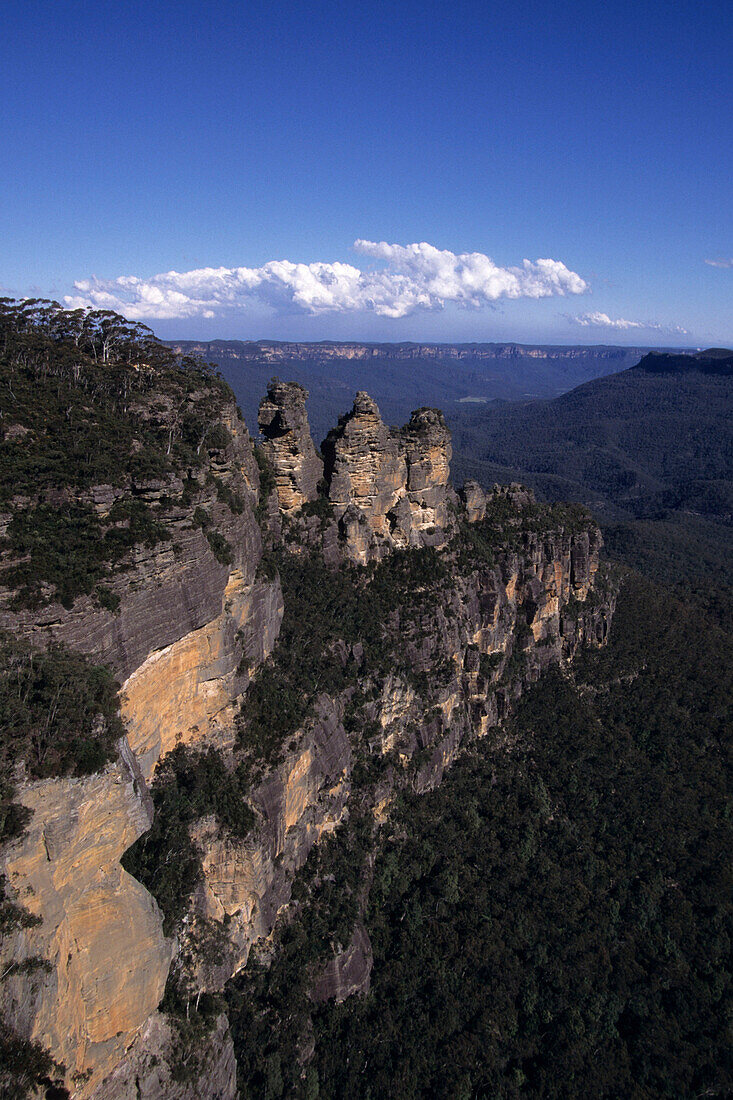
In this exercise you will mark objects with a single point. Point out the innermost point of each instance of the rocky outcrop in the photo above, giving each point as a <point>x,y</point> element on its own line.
<point>426,444</point>
<point>474,501</point>
<point>365,469</point>
<point>155,1064</point>
<point>174,587</point>
<point>189,633</point>
<point>246,882</point>
<point>190,629</point>
<point>348,972</point>
<point>182,693</point>
<point>283,422</point>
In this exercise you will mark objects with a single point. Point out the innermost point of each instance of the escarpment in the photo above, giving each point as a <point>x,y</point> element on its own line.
<point>98,931</point>
<point>296,689</point>
<point>190,629</point>
<point>144,557</point>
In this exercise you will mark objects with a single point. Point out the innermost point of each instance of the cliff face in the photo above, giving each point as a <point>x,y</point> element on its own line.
<point>100,932</point>
<point>177,585</point>
<point>513,590</point>
<point>427,447</point>
<point>145,1073</point>
<point>365,470</point>
<point>182,693</point>
<point>187,634</point>
<point>246,883</point>
<point>289,351</point>
<point>388,488</point>
<point>451,672</point>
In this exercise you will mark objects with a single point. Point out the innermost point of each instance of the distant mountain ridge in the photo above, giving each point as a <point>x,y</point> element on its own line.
<point>710,361</point>
<point>445,375</point>
<point>287,350</point>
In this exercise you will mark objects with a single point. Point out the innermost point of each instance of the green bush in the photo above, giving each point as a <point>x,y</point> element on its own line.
<point>87,398</point>
<point>25,1066</point>
<point>59,712</point>
<point>221,547</point>
<point>267,482</point>
<point>188,785</point>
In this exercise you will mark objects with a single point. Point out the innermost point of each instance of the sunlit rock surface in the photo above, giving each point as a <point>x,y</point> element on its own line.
<point>101,931</point>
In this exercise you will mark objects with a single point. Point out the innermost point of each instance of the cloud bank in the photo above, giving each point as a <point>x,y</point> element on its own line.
<point>413,277</point>
<point>721,261</point>
<point>602,320</point>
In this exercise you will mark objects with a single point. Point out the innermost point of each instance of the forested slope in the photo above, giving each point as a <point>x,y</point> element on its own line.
<point>556,919</point>
<point>649,449</point>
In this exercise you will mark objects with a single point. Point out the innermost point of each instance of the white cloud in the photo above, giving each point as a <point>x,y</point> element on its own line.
<point>721,261</point>
<point>602,320</point>
<point>415,276</point>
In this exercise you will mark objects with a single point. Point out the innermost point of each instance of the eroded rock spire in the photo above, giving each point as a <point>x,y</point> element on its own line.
<point>283,422</point>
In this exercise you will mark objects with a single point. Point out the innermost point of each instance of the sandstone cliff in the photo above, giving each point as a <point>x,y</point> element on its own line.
<point>292,351</point>
<point>509,588</point>
<point>100,930</point>
<point>448,669</point>
<point>188,623</point>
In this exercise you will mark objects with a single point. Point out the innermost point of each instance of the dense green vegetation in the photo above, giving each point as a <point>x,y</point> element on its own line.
<point>269,1006</point>
<point>343,628</point>
<point>649,449</point>
<point>555,920</point>
<point>327,612</point>
<point>378,608</point>
<point>67,548</point>
<point>87,398</point>
<point>188,784</point>
<point>59,715</point>
<point>24,1065</point>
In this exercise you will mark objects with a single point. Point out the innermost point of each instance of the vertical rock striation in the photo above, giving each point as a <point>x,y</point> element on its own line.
<point>283,423</point>
<point>192,627</point>
<point>427,448</point>
<point>388,488</point>
<point>193,622</point>
<point>146,1071</point>
<point>100,932</point>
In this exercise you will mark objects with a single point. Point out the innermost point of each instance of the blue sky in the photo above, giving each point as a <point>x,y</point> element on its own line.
<point>225,138</point>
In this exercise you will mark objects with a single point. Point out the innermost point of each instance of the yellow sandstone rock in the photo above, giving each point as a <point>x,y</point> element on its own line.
<point>101,931</point>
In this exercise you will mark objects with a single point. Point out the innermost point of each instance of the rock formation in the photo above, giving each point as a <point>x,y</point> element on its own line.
<point>191,629</point>
<point>100,932</point>
<point>348,972</point>
<point>283,422</point>
<point>474,501</point>
<point>184,640</point>
<point>145,1073</point>
<point>388,488</point>
<point>365,469</point>
<point>427,447</point>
